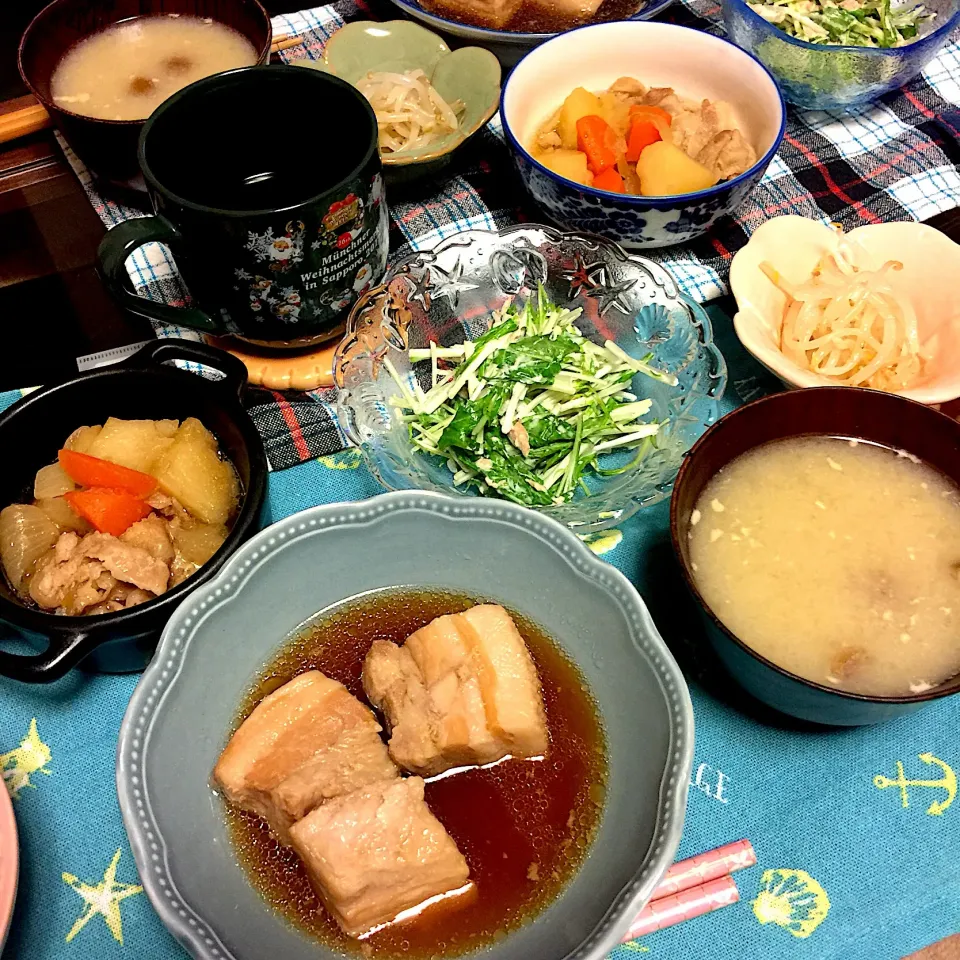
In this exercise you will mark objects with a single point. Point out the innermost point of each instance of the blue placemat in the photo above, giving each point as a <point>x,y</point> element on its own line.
<point>846,870</point>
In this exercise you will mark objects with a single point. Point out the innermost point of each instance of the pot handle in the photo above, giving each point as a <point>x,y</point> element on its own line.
<point>159,351</point>
<point>55,662</point>
<point>112,254</point>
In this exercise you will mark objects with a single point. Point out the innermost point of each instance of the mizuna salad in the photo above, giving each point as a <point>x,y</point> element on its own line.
<point>529,408</point>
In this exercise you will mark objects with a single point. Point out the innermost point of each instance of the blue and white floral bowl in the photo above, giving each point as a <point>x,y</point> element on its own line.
<point>697,65</point>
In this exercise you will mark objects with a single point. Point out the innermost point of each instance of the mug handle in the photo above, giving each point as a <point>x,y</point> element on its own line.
<point>55,662</point>
<point>112,254</point>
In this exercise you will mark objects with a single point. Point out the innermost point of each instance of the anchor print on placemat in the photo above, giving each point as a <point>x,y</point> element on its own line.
<point>791,899</point>
<point>946,783</point>
<point>32,756</point>
<point>102,899</point>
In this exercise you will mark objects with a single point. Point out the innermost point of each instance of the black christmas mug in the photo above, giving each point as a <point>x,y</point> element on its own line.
<point>267,186</point>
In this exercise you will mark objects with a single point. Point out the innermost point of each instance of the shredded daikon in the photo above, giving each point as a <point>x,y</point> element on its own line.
<point>847,324</point>
<point>410,112</point>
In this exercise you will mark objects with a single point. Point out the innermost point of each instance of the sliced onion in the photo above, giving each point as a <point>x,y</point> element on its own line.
<point>60,512</point>
<point>26,534</point>
<point>51,481</point>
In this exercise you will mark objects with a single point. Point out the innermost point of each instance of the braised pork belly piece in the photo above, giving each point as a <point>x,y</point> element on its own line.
<point>307,742</point>
<point>377,852</point>
<point>463,690</point>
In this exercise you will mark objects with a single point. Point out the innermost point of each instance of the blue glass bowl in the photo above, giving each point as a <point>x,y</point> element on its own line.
<point>449,293</point>
<point>821,77</point>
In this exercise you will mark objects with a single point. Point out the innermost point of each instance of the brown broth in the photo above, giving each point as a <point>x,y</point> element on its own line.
<point>524,826</point>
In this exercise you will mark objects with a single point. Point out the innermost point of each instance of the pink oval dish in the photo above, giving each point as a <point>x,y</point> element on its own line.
<point>9,862</point>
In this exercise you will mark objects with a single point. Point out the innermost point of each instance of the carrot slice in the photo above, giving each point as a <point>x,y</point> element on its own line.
<point>642,134</point>
<point>110,511</point>
<point>655,115</point>
<point>595,138</point>
<point>609,180</point>
<point>93,472</point>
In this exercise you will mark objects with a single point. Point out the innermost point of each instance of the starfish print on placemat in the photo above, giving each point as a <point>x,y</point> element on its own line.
<point>102,899</point>
<point>450,285</point>
<point>32,756</point>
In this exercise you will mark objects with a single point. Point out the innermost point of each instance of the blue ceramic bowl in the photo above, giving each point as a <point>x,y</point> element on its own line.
<point>697,65</point>
<point>822,77</point>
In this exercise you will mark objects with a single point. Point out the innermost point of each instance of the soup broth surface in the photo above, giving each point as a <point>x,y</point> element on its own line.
<point>524,826</point>
<point>836,559</point>
<point>127,70</point>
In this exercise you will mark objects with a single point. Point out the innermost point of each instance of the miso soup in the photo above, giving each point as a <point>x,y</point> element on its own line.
<point>127,70</point>
<point>836,559</point>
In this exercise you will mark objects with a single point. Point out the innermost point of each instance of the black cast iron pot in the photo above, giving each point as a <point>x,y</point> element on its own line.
<point>35,428</point>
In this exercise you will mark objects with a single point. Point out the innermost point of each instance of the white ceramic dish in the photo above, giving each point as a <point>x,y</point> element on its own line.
<point>793,245</point>
<point>697,65</point>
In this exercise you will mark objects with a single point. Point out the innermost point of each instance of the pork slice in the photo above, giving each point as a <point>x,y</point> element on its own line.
<point>492,13</point>
<point>377,852</point>
<point>727,155</point>
<point>67,581</point>
<point>445,660</point>
<point>573,10</point>
<point>153,535</point>
<point>508,680</point>
<point>126,562</point>
<point>306,742</point>
<point>394,684</point>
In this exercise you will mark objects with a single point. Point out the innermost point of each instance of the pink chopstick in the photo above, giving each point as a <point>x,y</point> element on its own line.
<point>705,867</point>
<point>675,908</point>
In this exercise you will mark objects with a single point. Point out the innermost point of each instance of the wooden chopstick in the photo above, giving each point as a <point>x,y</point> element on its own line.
<point>21,122</point>
<point>285,43</point>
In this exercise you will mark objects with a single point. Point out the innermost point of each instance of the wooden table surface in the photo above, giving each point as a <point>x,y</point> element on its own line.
<point>52,304</point>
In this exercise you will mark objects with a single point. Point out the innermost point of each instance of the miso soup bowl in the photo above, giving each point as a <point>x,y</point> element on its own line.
<point>108,148</point>
<point>882,418</point>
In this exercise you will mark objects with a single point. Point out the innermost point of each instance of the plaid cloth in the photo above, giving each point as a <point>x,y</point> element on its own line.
<point>896,159</point>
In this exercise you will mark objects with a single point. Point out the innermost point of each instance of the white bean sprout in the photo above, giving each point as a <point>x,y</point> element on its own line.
<point>410,112</point>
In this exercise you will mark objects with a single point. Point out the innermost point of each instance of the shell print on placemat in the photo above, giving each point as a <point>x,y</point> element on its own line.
<point>791,899</point>
<point>32,756</point>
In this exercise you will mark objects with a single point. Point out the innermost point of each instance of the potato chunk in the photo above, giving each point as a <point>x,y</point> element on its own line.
<point>191,471</point>
<point>136,444</point>
<point>580,103</point>
<point>571,164</point>
<point>665,170</point>
<point>82,439</point>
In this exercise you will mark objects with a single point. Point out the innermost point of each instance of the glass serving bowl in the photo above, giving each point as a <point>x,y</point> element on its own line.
<point>822,77</point>
<point>449,294</point>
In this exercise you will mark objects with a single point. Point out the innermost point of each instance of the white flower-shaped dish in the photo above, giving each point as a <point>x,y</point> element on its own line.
<point>794,245</point>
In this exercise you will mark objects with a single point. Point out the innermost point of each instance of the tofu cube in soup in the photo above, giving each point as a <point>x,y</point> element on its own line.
<point>305,743</point>
<point>461,690</point>
<point>377,852</point>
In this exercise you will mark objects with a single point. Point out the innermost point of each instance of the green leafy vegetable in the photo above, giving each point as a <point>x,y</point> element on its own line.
<point>525,410</point>
<point>849,23</point>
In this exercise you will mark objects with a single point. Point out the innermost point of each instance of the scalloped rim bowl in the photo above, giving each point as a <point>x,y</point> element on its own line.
<point>793,245</point>
<point>470,74</point>
<point>365,386</point>
<point>221,636</point>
